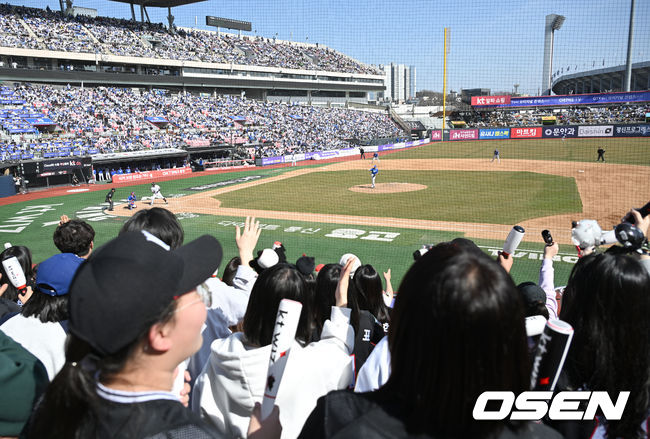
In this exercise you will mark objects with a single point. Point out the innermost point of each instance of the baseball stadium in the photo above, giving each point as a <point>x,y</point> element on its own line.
<point>272,115</point>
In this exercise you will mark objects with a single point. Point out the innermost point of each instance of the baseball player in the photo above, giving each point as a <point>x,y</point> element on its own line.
<point>375,156</point>
<point>373,173</point>
<point>109,198</point>
<point>155,193</point>
<point>132,199</point>
<point>601,154</point>
<point>496,156</point>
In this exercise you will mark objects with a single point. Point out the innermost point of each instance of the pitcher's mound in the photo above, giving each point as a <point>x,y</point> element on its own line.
<point>387,188</point>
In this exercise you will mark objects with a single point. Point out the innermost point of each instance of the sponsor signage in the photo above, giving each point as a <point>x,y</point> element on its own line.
<point>525,133</point>
<point>560,131</point>
<point>584,99</point>
<point>272,160</point>
<point>632,130</point>
<point>390,146</point>
<point>490,100</point>
<point>494,133</point>
<point>436,135</point>
<point>59,167</point>
<point>596,131</point>
<point>120,178</point>
<point>463,134</point>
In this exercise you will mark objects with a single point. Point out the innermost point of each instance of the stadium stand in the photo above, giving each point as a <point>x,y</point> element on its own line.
<point>583,115</point>
<point>32,28</point>
<point>47,121</point>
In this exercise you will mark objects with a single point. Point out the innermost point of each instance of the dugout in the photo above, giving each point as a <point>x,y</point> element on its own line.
<point>38,173</point>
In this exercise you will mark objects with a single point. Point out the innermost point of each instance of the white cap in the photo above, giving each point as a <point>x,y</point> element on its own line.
<point>268,258</point>
<point>356,264</point>
<point>8,244</point>
<point>586,233</point>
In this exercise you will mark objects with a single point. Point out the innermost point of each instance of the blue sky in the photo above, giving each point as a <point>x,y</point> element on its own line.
<point>494,44</point>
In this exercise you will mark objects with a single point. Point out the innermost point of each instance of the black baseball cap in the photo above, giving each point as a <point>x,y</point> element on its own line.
<point>127,283</point>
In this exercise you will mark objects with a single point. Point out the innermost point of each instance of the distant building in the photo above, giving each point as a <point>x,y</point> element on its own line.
<point>400,83</point>
<point>412,88</point>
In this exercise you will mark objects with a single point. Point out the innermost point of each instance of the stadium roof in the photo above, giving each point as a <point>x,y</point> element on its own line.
<point>159,3</point>
<point>603,80</point>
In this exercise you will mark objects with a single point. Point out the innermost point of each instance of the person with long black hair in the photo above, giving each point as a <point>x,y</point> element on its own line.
<point>369,316</point>
<point>135,314</point>
<point>607,301</point>
<point>325,295</point>
<point>457,330</point>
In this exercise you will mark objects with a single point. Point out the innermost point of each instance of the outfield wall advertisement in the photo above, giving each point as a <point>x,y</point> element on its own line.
<point>463,134</point>
<point>525,133</point>
<point>559,131</point>
<point>640,130</point>
<point>494,133</point>
<point>596,131</point>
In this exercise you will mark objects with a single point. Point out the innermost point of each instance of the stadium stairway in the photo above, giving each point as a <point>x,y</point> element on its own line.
<point>29,30</point>
<point>403,125</point>
<point>90,34</point>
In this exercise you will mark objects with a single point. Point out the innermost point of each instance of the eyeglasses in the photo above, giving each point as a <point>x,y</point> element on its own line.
<point>204,296</point>
<point>204,291</point>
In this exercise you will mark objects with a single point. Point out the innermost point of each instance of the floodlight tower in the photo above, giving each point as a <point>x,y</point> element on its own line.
<point>628,63</point>
<point>553,23</point>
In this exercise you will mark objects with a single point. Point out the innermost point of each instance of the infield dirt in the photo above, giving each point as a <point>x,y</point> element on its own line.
<point>607,191</point>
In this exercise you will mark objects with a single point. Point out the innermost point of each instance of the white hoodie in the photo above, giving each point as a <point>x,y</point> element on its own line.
<point>234,378</point>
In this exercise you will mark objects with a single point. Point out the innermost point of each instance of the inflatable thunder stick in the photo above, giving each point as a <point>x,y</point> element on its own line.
<point>284,332</point>
<point>551,352</point>
<point>15,272</point>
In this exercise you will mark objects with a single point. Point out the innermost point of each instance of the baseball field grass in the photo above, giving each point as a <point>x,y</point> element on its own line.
<point>504,198</point>
<point>631,151</point>
<point>491,197</point>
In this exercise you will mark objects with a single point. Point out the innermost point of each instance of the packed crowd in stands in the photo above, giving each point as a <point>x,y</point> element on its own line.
<point>115,341</point>
<point>107,119</point>
<point>566,116</point>
<point>84,34</point>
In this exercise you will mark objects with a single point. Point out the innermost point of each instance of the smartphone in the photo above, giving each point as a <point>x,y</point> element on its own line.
<point>644,211</point>
<point>548,239</point>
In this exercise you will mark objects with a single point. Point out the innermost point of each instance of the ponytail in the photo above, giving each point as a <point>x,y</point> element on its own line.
<point>70,397</point>
<point>70,402</point>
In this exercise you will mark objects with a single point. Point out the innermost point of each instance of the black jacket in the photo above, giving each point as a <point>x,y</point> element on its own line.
<point>343,414</point>
<point>158,419</point>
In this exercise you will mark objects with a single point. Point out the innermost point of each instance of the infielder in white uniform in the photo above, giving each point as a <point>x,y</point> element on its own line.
<point>155,193</point>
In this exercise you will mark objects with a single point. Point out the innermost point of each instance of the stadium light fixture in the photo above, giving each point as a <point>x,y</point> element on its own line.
<point>558,21</point>
<point>553,23</point>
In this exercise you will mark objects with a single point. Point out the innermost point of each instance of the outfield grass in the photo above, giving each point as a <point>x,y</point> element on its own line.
<point>477,196</point>
<point>634,151</point>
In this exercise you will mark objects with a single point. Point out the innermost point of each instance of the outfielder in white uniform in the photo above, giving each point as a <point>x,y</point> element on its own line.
<point>155,193</point>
